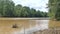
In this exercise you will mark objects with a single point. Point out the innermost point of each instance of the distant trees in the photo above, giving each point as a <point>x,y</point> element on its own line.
<point>54,9</point>
<point>9,9</point>
<point>6,8</point>
<point>18,9</point>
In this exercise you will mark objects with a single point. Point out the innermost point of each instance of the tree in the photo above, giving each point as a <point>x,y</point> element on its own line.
<point>54,9</point>
<point>57,14</point>
<point>6,8</point>
<point>9,9</point>
<point>33,12</point>
<point>25,11</point>
<point>51,8</point>
<point>38,14</point>
<point>18,10</point>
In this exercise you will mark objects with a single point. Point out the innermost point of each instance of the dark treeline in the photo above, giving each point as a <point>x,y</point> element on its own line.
<point>9,9</point>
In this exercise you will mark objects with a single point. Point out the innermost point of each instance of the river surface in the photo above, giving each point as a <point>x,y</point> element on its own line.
<point>25,26</point>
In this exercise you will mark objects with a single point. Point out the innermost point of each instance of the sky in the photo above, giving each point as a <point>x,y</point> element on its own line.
<point>36,4</point>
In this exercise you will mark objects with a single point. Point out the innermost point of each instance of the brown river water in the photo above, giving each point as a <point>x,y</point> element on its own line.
<point>23,25</point>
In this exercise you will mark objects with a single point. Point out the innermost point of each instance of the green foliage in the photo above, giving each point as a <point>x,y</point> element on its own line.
<point>18,9</point>
<point>6,8</point>
<point>9,9</point>
<point>54,9</point>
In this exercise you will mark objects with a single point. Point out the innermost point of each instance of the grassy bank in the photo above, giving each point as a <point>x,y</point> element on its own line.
<point>54,23</point>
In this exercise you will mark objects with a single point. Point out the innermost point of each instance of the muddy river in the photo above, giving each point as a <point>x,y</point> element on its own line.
<point>22,26</point>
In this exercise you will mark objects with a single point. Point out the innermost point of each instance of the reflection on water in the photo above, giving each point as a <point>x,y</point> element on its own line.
<point>27,26</point>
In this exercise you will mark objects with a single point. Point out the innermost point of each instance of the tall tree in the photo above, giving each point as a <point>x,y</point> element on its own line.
<point>52,8</point>
<point>7,8</point>
<point>57,14</point>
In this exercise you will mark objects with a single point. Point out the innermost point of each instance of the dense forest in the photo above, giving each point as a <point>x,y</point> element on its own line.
<point>54,9</point>
<point>9,9</point>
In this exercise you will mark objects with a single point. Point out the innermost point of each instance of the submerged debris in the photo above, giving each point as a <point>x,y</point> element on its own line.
<point>15,26</point>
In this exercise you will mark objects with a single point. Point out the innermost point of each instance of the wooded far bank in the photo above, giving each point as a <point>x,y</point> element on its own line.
<point>9,9</point>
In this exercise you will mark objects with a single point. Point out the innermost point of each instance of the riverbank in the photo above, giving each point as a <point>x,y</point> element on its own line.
<point>25,18</point>
<point>54,24</point>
